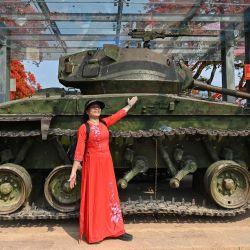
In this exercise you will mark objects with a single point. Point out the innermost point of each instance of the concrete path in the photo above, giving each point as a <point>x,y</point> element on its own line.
<point>165,232</point>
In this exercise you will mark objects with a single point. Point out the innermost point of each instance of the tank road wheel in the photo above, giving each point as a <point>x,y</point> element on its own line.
<point>57,190</point>
<point>15,187</point>
<point>228,184</point>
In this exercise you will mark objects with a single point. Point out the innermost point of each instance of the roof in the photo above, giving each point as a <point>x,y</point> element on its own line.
<point>47,29</point>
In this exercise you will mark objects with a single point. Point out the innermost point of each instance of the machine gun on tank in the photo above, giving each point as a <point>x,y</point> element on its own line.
<point>148,36</point>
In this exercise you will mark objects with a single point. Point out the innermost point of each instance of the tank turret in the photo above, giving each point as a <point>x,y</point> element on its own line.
<point>119,70</point>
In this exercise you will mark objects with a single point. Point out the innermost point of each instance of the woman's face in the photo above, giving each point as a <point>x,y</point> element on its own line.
<point>94,111</point>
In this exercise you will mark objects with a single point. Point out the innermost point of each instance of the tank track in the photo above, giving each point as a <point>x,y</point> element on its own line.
<point>132,207</point>
<point>193,207</point>
<point>136,134</point>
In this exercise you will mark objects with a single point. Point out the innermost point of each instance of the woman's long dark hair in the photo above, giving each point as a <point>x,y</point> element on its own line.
<point>85,118</point>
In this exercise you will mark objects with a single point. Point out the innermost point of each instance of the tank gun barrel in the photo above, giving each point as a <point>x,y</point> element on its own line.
<point>202,86</point>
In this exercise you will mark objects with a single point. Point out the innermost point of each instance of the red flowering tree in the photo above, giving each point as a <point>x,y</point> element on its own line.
<point>26,83</point>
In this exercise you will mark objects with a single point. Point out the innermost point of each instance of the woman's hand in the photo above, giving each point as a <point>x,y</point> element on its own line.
<point>132,101</point>
<point>72,180</point>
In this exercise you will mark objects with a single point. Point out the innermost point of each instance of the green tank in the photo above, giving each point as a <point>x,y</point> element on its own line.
<point>173,153</point>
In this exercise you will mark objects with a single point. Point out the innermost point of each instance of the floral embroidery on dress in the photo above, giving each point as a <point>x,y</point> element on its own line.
<point>115,211</point>
<point>97,133</point>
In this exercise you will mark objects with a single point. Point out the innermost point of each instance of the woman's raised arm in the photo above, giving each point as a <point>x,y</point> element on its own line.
<point>121,113</point>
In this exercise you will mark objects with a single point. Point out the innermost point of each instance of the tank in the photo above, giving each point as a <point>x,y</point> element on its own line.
<point>173,153</point>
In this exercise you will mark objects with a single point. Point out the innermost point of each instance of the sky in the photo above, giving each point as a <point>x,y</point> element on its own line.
<point>45,73</point>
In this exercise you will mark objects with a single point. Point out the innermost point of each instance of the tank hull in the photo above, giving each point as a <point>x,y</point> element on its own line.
<point>164,140</point>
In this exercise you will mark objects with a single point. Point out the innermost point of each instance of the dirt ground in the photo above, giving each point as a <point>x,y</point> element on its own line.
<point>150,233</point>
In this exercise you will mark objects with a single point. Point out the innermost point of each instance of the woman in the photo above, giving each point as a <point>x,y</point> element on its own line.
<point>100,214</point>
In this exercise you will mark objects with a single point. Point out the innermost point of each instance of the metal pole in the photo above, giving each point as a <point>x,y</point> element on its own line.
<point>227,58</point>
<point>4,73</point>
<point>247,45</point>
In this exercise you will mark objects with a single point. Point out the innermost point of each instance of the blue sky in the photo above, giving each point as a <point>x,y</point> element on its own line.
<point>45,73</point>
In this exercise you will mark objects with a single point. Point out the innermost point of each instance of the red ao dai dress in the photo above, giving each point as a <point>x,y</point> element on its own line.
<point>100,213</point>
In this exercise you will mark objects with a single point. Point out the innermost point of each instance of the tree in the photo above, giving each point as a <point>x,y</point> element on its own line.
<point>26,84</point>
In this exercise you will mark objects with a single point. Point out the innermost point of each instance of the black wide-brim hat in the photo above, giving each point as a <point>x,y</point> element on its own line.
<point>90,102</point>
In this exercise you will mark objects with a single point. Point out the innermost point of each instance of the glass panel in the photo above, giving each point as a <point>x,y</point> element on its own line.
<point>160,7</point>
<point>25,25</point>
<point>86,27</point>
<point>18,7</point>
<point>15,30</point>
<point>88,44</point>
<point>82,7</point>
